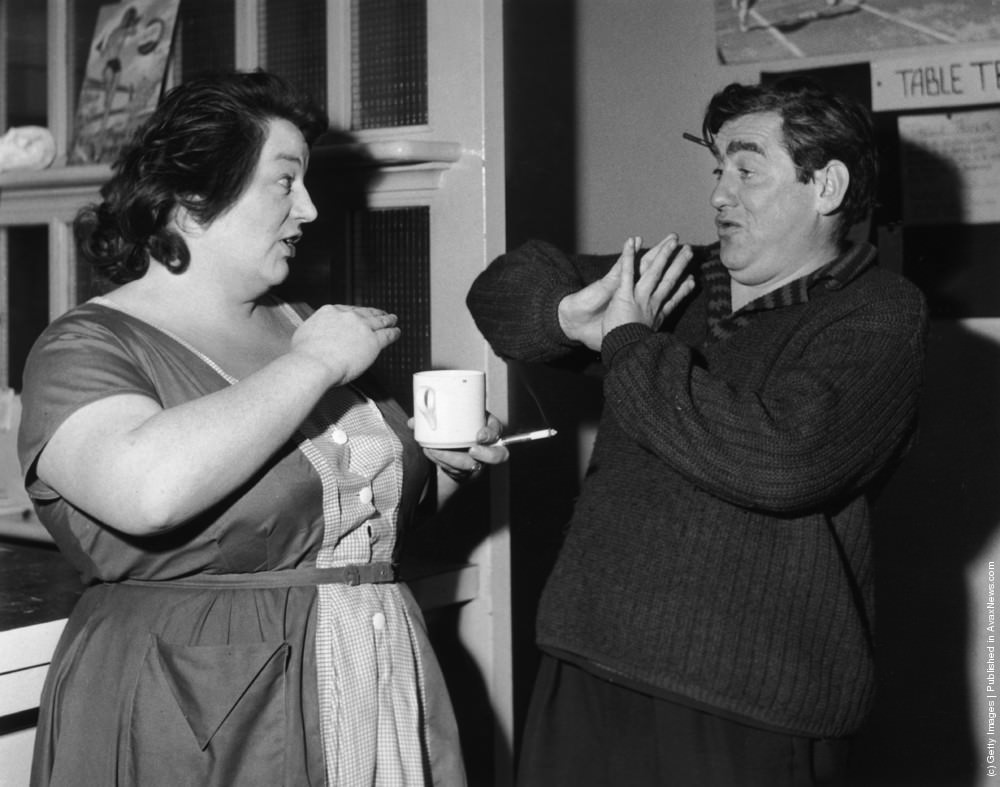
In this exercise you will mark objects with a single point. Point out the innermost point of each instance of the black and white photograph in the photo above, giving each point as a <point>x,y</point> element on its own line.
<point>750,31</point>
<point>499,393</point>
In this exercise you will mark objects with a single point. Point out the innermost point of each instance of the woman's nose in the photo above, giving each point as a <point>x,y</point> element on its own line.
<point>305,208</point>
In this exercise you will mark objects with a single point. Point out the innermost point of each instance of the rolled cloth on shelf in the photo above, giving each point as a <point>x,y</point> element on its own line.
<point>26,147</point>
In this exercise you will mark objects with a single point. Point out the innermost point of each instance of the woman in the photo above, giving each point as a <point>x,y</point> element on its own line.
<point>228,482</point>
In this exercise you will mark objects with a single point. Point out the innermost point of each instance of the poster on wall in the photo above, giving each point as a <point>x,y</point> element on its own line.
<point>125,69</point>
<point>761,30</point>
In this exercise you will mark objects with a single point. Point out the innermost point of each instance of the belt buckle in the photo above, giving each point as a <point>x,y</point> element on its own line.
<point>352,575</point>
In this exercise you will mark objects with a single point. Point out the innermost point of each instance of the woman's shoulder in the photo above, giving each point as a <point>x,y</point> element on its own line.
<point>99,336</point>
<point>95,329</point>
<point>89,319</point>
<point>90,334</point>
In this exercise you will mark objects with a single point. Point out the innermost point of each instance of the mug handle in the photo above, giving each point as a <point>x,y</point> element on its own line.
<point>425,403</point>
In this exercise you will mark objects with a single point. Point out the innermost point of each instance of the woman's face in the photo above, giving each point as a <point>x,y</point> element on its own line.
<point>250,244</point>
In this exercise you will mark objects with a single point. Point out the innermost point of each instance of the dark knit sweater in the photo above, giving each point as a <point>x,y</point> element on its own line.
<point>720,551</point>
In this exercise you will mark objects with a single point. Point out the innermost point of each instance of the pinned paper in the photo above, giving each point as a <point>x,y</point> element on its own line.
<point>950,167</point>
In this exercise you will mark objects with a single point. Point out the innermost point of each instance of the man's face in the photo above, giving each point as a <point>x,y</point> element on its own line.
<point>767,221</point>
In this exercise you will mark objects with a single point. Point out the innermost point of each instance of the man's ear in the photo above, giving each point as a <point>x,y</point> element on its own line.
<point>831,186</point>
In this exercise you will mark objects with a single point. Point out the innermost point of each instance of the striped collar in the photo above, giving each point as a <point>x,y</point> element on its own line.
<point>832,276</point>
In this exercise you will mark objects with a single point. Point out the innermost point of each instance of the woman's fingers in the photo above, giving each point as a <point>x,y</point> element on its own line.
<point>462,465</point>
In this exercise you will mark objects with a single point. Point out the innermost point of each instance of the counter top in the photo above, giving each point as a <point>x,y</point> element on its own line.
<point>37,585</point>
<point>38,589</point>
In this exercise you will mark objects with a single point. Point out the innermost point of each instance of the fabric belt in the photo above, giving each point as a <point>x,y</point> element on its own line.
<point>354,574</point>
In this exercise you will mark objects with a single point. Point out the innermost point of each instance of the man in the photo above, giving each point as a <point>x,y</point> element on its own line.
<point>709,618</point>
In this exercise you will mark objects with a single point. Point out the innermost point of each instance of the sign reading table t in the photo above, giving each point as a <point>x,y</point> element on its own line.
<point>959,77</point>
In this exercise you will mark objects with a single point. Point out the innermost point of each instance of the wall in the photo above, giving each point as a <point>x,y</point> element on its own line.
<point>643,72</point>
<point>646,70</point>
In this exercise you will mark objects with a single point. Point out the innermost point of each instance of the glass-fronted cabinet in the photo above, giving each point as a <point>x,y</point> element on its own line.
<point>23,26</point>
<point>367,62</point>
<point>23,298</point>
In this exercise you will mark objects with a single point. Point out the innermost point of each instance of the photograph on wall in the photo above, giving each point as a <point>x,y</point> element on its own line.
<point>761,30</point>
<point>126,65</point>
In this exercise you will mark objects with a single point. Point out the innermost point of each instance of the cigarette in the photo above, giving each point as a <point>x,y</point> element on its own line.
<point>700,141</point>
<point>540,434</point>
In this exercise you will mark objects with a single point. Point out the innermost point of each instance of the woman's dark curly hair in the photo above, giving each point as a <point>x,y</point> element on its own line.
<point>198,150</point>
<point>818,126</point>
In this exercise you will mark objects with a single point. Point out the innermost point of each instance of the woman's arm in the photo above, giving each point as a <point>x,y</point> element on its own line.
<point>143,469</point>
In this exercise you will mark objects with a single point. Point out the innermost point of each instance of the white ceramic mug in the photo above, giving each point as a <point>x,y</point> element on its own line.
<point>449,407</point>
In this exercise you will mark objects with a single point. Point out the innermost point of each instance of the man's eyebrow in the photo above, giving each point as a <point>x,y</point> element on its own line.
<point>736,145</point>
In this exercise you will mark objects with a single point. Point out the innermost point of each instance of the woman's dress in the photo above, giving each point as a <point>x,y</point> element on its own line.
<point>209,655</point>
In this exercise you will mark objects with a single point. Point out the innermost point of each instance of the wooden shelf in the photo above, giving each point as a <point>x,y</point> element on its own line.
<point>35,196</point>
<point>375,153</point>
<point>55,177</point>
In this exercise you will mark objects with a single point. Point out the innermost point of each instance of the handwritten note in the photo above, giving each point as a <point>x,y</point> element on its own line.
<point>950,167</point>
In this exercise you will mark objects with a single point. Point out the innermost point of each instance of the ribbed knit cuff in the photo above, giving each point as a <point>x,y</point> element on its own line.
<point>621,337</point>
